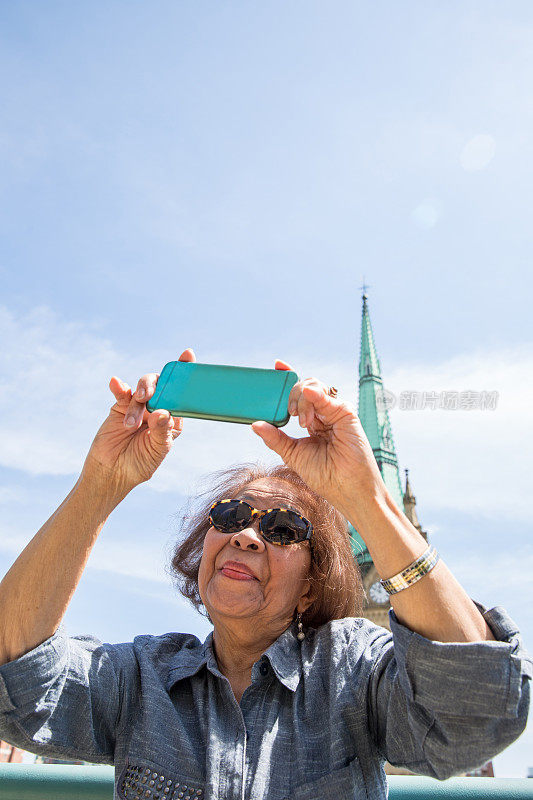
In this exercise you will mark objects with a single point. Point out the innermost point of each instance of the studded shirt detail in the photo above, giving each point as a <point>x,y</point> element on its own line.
<point>138,782</point>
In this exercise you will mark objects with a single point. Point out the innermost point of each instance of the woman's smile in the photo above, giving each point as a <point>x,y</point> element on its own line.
<point>238,576</point>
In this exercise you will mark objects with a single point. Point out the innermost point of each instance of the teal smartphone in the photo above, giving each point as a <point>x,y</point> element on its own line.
<point>224,393</point>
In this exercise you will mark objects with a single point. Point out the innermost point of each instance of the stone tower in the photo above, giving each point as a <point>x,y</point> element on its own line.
<point>374,416</point>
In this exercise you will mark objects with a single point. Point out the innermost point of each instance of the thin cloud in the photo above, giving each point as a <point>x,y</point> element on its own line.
<point>471,461</point>
<point>137,560</point>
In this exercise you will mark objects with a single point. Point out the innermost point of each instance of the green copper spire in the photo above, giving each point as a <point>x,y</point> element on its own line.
<point>374,418</point>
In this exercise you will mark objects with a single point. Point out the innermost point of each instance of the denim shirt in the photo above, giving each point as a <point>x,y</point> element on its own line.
<point>318,720</point>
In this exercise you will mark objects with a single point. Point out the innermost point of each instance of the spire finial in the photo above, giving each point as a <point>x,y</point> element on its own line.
<point>408,490</point>
<point>364,287</point>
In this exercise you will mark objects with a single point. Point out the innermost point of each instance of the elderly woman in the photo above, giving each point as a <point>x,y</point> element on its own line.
<point>293,695</point>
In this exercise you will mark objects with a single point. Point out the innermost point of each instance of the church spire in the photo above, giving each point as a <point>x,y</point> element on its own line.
<point>373,411</point>
<point>368,359</point>
<point>374,418</point>
<point>409,502</point>
<point>409,505</point>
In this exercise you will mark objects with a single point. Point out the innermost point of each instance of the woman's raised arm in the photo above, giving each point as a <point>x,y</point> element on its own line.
<point>337,461</point>
<point>36,591</point>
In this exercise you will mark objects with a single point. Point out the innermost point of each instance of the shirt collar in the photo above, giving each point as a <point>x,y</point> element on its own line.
<point>284,656</point>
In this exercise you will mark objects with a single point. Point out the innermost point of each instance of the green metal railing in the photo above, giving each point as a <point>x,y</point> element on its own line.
<point>72,782</point>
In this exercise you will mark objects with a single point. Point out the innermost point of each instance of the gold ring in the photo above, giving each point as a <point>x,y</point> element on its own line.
<point>332,391</point>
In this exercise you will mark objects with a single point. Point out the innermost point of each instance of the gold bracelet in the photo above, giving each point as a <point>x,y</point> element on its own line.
<point>412,573</point>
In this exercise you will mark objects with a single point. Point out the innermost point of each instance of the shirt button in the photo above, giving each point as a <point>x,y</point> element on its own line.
<point>263,669</point>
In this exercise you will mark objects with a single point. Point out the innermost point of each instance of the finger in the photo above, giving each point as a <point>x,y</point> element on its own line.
<point>134,414</point>
<point>279,364</point>
<point>275,439</point>
<point>160,427</point>
<point>325,407</point>
<point>177,422</point>
<point>146,387</point>
<point>303,407</point>
<point>120,390</point>
<point>306,407</point>
<point>282,365</point>
<point>145,390</point>
<point>299,404</point>
<point>136,411</point>
<point>294,396</point>
<point>177,426</point>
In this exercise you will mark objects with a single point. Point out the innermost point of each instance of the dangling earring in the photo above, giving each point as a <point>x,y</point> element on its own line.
<point>300,635</point>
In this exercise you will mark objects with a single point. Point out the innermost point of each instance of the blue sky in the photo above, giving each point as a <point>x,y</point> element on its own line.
<point>221,176</point>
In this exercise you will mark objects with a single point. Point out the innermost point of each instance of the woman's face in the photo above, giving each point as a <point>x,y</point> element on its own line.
<point>280,584</point>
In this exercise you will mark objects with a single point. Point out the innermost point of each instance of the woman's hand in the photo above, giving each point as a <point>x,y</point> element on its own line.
<point>133,442</point>
<point>336,459</point>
